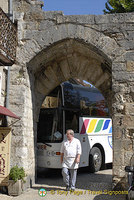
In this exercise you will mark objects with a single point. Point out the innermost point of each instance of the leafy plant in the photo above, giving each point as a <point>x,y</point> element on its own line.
<point>119,6</point>
<point>17,173</point>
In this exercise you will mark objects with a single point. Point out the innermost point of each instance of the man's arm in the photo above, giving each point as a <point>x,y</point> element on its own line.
<point>77,159</point>
<point>62,152</point>
<point>61,157</point>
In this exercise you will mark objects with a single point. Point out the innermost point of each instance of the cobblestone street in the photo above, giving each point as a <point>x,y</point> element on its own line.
<point>89,186</point>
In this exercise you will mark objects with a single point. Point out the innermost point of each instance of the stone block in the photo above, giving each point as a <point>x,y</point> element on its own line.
<point>128,121</point>
<point>86,19</point>
<point>31,25</point>
<point>121,58</point>
<point>118,67</point>
<point>34,15</point>
<point>52,14</point>
<point>126,44</point>
<point>129,109</point>
<point>21,152</point>
<point>129,17</point>
<point>45,24</point>
<point>117,134</point>
<point>128,26</point>
<point>118,170</point>
<point>124,76</point>
<point>14,188</point>
<point>78,19</point>
<point>127,145</point>
<point>118,158</point>
<point>130,66</point>
<point>117,143</point>
<point>117,18</point>
<point>130,56</point>
<point>127,158</point>
<point>130,35</point>
<point>102,19</point>
<point>110,28</point>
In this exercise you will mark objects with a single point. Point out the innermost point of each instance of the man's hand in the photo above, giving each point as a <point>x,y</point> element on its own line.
<point>61,158</point>
<point>77,159</point>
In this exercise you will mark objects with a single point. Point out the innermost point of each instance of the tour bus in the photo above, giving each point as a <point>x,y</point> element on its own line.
<point>83,109</point>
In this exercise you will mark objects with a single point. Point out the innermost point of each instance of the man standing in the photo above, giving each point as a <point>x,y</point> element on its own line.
<point>70,158</point>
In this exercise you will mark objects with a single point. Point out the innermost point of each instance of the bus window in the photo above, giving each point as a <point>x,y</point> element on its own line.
<point>50,126</point>
<point>71,121</point>
<point>89,101</point>
<point>92,102</point>
<point>71,97</point>
<point>53,100</point>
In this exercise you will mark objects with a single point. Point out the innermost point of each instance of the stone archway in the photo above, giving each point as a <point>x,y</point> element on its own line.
<point>50,43</point>
<point>67,59</point>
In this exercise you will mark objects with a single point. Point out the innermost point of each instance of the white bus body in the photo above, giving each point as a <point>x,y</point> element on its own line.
<point>94,133</point>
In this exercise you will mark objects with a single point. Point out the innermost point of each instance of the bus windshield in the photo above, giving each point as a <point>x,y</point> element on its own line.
<point>63,107</point>
<point>89,101</point>
<point>50,125</point>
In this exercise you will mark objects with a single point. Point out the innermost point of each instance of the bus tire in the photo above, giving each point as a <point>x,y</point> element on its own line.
<point>95,160</point>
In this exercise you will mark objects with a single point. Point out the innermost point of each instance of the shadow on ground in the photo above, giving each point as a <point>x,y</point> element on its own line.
<point>85,180</point>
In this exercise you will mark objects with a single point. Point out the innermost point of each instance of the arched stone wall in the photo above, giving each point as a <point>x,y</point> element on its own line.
<point>95,48</point>
<point>63,60</point>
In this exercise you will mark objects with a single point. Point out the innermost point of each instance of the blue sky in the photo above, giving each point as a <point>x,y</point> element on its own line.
<point>76,7</point>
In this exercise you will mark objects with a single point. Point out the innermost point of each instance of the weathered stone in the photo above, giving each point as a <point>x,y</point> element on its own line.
<point>130,56</point>
<point>128,45</point>
<point>118,158</point>
<point>117,18</point>
<point>127,145</point>
<point>119,67</point>
<point>128,155</point>
<point>102,20</point>
<point>129,109</point>
<point>45,24</point>
<point>127,120</point>
<point>129,18</point>
<point>21,152</point>
<point>130,66</point>
<point>53,48</point>
<point>119,170</point>
<point>124,76</point>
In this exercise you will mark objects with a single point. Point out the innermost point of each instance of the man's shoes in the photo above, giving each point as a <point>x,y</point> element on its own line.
<point>72,189</point>
<point>67,188</point>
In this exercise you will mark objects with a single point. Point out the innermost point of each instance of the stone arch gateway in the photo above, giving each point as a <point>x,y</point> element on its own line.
<point>53,48</point>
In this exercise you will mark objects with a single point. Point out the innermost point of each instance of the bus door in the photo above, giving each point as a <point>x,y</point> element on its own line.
<point>84,161</point>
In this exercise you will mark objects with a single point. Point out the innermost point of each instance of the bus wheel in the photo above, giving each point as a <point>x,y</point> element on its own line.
<point>95,159</point>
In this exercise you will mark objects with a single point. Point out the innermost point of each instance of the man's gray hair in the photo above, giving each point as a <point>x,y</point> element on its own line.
<point>71,132</point>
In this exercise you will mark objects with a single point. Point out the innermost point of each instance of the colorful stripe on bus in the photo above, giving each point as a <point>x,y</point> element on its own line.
<point>95,125</point>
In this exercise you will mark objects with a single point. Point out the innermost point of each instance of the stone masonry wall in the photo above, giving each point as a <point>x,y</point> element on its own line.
<point>108,36</point>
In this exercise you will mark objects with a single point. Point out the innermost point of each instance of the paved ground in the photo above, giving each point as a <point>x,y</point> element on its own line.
<point>89,187</point>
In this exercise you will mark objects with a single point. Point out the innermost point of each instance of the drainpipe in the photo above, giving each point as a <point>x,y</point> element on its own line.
<point>10,10</point>
<point>8,70</point>
<point>8,84</point>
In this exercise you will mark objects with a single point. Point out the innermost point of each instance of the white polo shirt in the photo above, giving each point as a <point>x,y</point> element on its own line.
<point>70,150</point>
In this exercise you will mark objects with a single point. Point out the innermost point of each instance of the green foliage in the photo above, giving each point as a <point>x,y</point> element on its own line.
<point>119,6</point>
<point>17,173</point>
